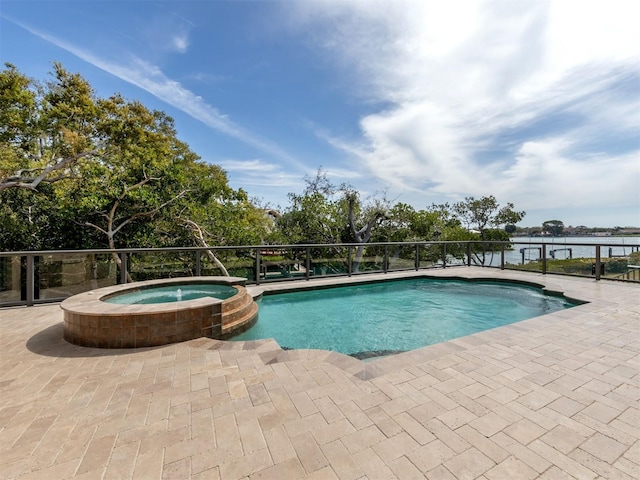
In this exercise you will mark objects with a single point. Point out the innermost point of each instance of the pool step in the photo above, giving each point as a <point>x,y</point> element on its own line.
<point>239,314</point>
<point>246,319</point>
<point>236,301</point>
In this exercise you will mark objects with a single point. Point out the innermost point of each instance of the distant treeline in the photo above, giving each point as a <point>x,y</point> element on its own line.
<point>580,231</point>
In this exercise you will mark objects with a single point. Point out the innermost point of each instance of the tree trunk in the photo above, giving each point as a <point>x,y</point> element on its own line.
<point>116,257</point>
<point>111,232</point>
<point>198,235</point>
<point>362,235</point>
<point>358,259</point>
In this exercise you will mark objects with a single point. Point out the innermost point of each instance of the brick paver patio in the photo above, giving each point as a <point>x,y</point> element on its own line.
<point>555,397</point>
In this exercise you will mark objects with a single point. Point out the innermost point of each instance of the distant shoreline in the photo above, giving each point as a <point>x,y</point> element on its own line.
<point>571,235</point>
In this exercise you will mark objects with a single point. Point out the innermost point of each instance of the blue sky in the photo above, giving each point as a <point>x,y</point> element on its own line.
<point>535,102</point>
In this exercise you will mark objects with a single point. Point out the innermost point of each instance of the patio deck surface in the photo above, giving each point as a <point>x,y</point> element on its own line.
<point>555,397</point>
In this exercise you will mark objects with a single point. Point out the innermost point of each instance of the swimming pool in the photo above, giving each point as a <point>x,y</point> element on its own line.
<point>389,317</point>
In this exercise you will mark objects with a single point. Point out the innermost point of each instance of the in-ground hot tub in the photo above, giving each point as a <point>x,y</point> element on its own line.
<point>104,318</point>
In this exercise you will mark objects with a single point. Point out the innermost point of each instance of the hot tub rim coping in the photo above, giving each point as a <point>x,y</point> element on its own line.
<point>91,303</point>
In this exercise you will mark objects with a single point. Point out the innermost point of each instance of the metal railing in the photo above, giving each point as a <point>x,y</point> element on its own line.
<point>33,277</point>
<point>632,274</point>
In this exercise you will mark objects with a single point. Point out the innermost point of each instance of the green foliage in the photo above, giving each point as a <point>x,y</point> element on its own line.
<point>17,103</point>
<point>79,171</point>
<point>313,218</point>
<point>483,217</point>
<point>485,213</point>
<point>510,228</point>
<point>577,266</point>
<point>318,215</point>
<point>405,224</point>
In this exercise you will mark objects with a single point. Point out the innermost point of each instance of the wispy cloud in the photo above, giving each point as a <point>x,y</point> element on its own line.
<point>205,78</point>
<point>150,78</point>
<point>180,42</point>
<point>258,173</point>
<point>514,99</point>
<point>167,32</point>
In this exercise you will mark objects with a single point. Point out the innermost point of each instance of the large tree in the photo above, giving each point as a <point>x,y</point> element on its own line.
<point>139,172</point>
<point>45,129</point>
<point>553,227</point>
<point>326,213</point>
<point>485,216</point>
<point>316,216</point>
<point>212,213</point>
<point>362,220</point>
<point>485,213</point>
<point>78,171</point>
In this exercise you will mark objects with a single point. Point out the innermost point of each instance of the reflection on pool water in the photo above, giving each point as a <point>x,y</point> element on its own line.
<point>376,319</point>
<point>173,293</point>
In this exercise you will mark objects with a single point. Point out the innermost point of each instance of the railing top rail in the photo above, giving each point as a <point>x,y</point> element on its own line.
<point>300,246</point>
<point>563,243</point>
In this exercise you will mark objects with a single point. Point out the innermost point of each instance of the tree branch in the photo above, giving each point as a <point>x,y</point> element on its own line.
<point>352,222</point>
<point>89,224</point>
<point>31,183</point>
<point>199,236</point>
<point>149,213</point>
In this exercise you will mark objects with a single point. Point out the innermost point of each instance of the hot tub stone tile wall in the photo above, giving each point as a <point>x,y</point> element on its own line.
<point>91,322</point>
<point>143,330</point>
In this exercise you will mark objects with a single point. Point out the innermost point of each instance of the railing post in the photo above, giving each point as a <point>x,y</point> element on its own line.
<point>598,262</point>
<point>257,266</point>
<point>31,279</point>
<point>385,260</point>
<point>444,255</point>
<point>417,258</point>
<point>123,267</point>
<point>502,257</point>
<point>468,254</point>
<point>349,261</point>
<point>198,263</point>
<point>543,254</point>
<point>307,263</point>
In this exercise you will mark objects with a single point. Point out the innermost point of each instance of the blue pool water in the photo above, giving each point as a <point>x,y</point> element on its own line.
<point>374,319</point>
<point>174,293</point>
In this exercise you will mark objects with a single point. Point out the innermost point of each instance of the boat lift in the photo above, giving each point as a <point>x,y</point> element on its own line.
<point>524,250</point>
<point>634,248</point>
<point>552,253</point>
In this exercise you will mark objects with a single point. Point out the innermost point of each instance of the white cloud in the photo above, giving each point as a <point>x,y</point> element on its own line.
<point>463,79</point>
<point>166,32</point>
<point>545,177</point>
<point>342,174</point>
<point>258,173</point>
<point>180,42</point>
<point>255,165</point>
